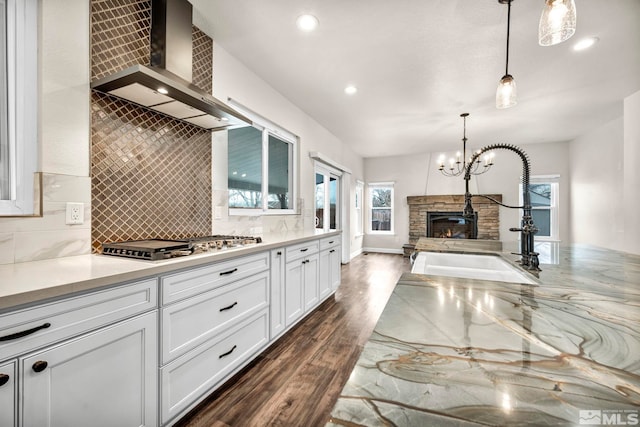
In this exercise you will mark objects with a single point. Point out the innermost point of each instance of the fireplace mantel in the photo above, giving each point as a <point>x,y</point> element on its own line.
<point>488,213</point>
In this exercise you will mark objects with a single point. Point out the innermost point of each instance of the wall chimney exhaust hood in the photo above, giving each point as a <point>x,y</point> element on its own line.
<point>166,86</point>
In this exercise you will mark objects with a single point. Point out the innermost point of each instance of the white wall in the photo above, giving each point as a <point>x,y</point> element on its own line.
<point>63,139</point>
<point>605,182</point>
<point>597,175</point>
<point>418,174</point>
<point>232,80</point>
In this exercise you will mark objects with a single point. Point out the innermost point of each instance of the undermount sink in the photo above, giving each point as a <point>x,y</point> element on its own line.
<point>471,266</point>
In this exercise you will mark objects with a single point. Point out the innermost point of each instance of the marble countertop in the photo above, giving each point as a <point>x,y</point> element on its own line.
<point>457,352</point>
<point>32,282</point>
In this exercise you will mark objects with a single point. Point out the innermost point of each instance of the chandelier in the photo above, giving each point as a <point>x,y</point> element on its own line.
<point>458,165</point>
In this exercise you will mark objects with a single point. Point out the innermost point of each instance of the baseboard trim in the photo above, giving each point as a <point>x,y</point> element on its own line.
<point>384,250</point>
<point>356,253</point>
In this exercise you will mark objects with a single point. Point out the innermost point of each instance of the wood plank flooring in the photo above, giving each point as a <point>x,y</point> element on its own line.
<point>298,379</point>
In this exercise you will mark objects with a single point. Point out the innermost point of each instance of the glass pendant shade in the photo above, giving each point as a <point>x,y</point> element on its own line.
<point>557,23</point>
<point>506,93</point>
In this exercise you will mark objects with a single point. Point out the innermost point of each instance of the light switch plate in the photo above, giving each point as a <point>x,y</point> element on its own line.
<point>75,213</point>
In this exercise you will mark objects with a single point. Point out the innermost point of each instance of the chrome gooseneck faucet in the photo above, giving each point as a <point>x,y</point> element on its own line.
<point>528,255</point>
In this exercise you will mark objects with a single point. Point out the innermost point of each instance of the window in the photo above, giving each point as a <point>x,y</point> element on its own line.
<point>261,168</point>
<point>18,105</point>
<point>381,208</point>
<point>543,191</point>
<point>358,208</point>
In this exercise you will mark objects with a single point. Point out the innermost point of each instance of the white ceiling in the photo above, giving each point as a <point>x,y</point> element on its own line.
<point>418,64</point>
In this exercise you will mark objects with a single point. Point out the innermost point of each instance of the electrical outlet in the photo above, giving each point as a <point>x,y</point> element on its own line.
<point>75,213</point>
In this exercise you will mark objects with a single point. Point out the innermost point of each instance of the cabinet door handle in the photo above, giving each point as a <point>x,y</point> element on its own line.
<point>40,366</point>
<point>224,273</point>
<point>279,253</point>
<point>4,378</point>
<point>229,307</point>
<point>304,250</point>
<point>332,251</point>
<point>24,333</point>
<point>331,242</point>
<point>228,352</point>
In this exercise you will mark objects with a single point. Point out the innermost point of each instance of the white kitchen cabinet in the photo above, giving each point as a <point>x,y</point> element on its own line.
<point>301,281</point>
<point>214,319</point>
<point>8,383</point>
<point>329,266</point>
<point>277,300</point>
<point>193,375</point>
<point>311,290</point>
<point>104,378</point>
<point>189,323</point>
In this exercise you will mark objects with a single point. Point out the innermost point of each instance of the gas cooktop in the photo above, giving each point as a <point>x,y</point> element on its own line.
<point>157,249</point>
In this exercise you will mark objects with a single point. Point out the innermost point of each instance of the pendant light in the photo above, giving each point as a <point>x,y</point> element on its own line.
<point>506,92</point>
<point>557,23</point>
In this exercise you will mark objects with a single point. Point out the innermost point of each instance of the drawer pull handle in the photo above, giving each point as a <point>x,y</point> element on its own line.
<point>24,333</point>
<point>224,273</point>
<point>279,253</point>
<point>228,352</point>
<point>304,250</point>
<point>4,378</point>
<point>331,242</point>
<point>229,307</point>
<point>332,251</point>
<point>40,366</point>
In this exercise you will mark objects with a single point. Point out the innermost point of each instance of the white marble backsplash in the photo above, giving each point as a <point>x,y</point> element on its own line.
<point>251,225</point>
<point>25,239</point>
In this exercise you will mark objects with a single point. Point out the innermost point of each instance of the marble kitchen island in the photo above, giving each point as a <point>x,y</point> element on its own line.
<point>452,351</point>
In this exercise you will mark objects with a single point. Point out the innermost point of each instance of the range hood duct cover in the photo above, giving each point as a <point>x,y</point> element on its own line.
<point>171,71</point>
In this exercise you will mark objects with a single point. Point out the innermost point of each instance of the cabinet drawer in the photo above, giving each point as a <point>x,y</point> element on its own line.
<point>189,323</point>
<point>30,328</point>
<point>329,242</point>
<point>7,395</point>
<point>191,376</point>
<point>301,250</point>
<point>192,282</point>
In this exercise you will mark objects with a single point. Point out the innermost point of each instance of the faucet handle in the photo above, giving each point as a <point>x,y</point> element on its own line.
<point>515,229</point>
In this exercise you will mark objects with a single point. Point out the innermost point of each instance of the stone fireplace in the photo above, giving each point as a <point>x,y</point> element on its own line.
<point>441,217</point>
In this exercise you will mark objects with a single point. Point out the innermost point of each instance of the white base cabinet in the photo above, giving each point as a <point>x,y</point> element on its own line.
<point>125,356</point>
<point>330,263</point>
<point>105,378</point>
<point>277,302</point>
<point>8,383</point>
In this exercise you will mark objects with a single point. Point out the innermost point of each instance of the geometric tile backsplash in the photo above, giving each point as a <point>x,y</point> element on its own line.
<point>150,174</point>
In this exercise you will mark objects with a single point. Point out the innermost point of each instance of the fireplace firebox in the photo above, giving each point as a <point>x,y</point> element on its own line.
<point>451,225</point>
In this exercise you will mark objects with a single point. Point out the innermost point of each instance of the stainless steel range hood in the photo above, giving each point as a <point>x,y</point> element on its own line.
<point>166,86</point>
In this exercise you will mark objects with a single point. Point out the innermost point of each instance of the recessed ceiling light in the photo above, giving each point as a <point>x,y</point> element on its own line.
<point>350,90</point>
<point>162,91</point>
<point>307,23</point>
<point>585,43</point>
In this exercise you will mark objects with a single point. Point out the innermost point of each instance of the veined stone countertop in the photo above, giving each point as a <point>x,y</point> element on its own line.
<point>32,282</point>
<point>456,352</point>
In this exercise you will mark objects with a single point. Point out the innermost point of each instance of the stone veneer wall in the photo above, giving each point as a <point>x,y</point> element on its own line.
<point>150,173</point>
<point>488,214</point>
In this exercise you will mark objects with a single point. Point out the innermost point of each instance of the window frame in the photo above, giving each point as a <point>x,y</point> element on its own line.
<point>375,185</point>
<point>21,108</point>
<point>269,128</point>
<point>554,182</point>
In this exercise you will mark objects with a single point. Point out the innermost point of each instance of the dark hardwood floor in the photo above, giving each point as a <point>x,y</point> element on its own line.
<point>298,379</point>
